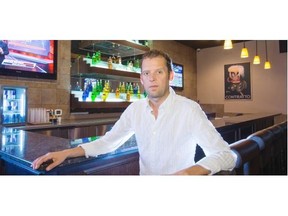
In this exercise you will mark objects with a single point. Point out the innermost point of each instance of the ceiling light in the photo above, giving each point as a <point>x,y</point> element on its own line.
<point>228,44</point>
<point>267,64</point>
<point>244,52</point>
<point>256,57</point>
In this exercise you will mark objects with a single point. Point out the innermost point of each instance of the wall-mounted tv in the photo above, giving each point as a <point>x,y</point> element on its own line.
<point>178,81</point>
<point>29,58</point>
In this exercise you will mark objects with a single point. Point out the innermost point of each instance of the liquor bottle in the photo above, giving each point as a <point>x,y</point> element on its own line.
<point>113,59</point>
<point>98,87</point>
<point>119,87</point>
<point>119,59</point>
<point>128,96</point>
<point>94,60</point>
<point>85,94</point>
<point>96,57</point>
<point>99,56</point>
<point>77,87</point>
<point>108,86</point>
<point>135,88</point>
<point>137,63</point>
<point>110,66</point>
<point>139,94</point>
<point>104,96</point>
<point>123,89</point>
<point>130,66</point>
<point>117,93</point>
<point>130,89</point>
<point>94,93</point>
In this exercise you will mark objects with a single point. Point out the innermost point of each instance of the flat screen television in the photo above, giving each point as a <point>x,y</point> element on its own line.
<point>29,58</point>
<point>178,81</point>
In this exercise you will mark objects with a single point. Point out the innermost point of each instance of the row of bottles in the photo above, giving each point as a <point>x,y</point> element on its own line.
<point>101,89</point>
<point>96,57</point>
<point>114,62</point>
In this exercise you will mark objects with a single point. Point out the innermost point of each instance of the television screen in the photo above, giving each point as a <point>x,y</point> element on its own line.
<point>29,58</point>
<point>177,82</point>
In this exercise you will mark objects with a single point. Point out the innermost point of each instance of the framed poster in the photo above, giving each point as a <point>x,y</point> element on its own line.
<point>237,81</point>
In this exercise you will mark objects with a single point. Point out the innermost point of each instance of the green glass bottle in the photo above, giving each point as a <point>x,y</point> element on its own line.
<point>93,59</point>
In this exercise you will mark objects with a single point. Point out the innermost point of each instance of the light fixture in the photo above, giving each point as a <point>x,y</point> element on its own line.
<point>244,52</point>
<point>267,64</point>
<point>228,44</point>
<point>256,57</point>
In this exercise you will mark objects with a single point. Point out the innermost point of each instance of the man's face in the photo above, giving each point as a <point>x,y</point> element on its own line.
<point>154,77</point>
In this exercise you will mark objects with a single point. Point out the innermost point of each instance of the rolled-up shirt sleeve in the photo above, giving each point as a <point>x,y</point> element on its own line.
<point>218,155</point>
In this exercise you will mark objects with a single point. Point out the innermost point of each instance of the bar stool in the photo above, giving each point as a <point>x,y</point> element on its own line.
<point>248,157</point>
<point>264,140</point>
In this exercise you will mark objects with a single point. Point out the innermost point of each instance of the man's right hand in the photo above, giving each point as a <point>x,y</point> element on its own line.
<point>56,157</point>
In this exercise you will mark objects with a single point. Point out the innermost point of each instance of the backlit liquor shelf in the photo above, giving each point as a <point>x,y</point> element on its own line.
<point>102,103</point>
<point>107,78</point>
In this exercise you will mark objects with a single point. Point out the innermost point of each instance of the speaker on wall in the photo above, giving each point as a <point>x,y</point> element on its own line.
<point>283,46</point>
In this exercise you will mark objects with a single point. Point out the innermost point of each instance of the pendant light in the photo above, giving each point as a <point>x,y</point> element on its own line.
<point>267,64</point>
<point>228,44</point>
<point>256,57</point>
<point>244,52</point>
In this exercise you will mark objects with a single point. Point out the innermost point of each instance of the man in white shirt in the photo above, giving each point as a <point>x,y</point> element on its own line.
<point>167,128</point>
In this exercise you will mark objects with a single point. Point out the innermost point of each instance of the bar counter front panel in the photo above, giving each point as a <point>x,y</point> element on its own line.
<point>19,146</point>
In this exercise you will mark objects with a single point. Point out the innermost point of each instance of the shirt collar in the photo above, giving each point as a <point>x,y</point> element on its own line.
<point>166,103</point>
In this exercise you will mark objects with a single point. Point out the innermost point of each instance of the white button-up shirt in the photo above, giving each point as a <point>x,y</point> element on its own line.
<point>167,144</point>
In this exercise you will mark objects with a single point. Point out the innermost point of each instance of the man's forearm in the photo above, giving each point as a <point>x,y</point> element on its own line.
<point>74,152</point>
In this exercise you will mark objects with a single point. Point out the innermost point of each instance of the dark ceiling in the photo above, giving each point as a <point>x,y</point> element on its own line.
<point>195,44</point>
<point>202,44</point>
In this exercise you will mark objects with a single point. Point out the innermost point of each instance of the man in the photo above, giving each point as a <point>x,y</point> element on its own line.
<point>167,128</point>
<point>3,50</point>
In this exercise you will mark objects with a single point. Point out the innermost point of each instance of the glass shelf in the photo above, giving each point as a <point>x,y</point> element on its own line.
<point>113,47</point>
<point>120,67</point>
<point>111,97</point>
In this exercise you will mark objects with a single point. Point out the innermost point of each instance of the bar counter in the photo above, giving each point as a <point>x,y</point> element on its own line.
<point>20,145</point>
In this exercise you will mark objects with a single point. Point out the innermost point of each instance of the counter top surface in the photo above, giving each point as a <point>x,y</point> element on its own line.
<point>217,122</point>
<point>25,146</point>
<point>225,121</point>
<point>69,123</point>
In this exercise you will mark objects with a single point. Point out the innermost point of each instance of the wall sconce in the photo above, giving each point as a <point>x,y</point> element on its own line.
<point>267,64</point>
<point>228,44</point>
<point>256,57</point>
<point>244,52</point>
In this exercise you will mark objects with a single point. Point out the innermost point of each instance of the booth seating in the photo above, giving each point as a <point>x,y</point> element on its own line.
<point>283,156</point>
<point>263,152</point>
<point>273,144</point>
<point>277,146</point>
<point>248,157</point>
